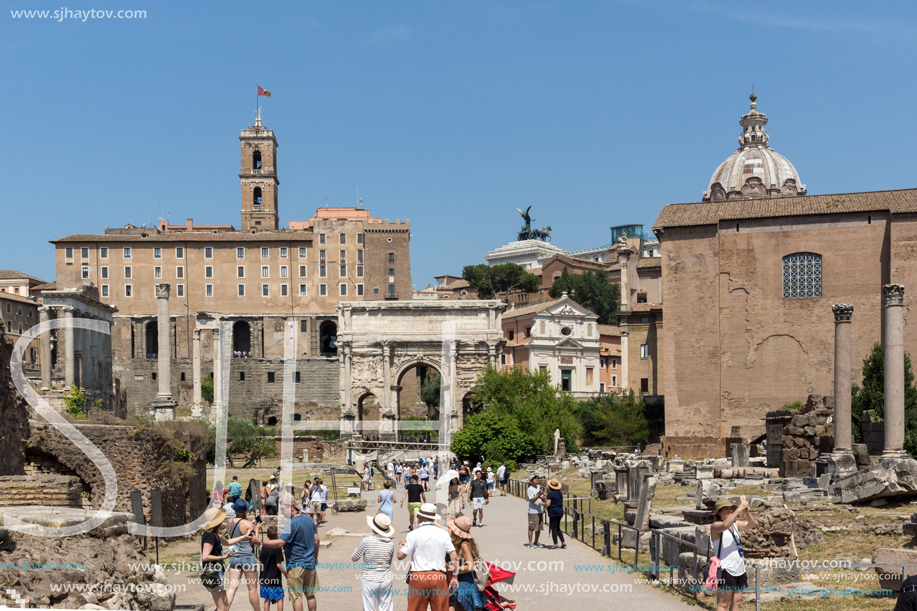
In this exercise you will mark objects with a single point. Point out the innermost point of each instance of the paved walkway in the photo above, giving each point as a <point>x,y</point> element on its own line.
<point>540,572</point>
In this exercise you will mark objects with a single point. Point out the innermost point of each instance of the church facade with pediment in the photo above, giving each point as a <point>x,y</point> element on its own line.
<point>564,339</point>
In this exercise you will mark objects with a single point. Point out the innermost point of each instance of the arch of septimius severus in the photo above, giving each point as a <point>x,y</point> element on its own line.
<point>378,341</point>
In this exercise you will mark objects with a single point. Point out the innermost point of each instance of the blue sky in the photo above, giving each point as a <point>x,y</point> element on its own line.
<point>450,114</point>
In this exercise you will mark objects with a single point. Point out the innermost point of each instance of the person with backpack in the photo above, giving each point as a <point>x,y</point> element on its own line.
<point>727,546</point>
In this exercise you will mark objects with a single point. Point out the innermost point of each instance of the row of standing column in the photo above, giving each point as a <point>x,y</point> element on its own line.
<point>893,342</point>
<point>76,340</point>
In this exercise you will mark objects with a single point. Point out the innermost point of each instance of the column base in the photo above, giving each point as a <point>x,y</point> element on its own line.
<point>197,410</point>
<point>164,409</point>
<point>898,454</point>
<point>839,464</point>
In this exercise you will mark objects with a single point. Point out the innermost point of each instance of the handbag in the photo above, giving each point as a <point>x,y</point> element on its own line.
<point>481,574</point>
<point>211,573</point>
<point>713,570</point>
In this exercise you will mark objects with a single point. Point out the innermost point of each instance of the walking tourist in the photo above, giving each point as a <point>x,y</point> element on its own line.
<point>456,499</point>
<point>305,495</point>
<point>315,502</point>
<point>265,491</point>
<point>428,546</point>
<point>728,548</point>
<point>324,489</point>
<point>536,499</point>
<point>272,500</point>
<point>398,470</point>
<point>272,568</point>
<point>467,595</point>
<point>213,565</point>
<point>376,552</point>
<point>243,565</point>
<point>503,478</point>
<point>425,478</point>
<point>478,497</point>
<point>234,487</point>
<point>555,505</point>
<point>300,543</point>
<point>490,479</point>
<point>415,495</point>
<point>387,501</point>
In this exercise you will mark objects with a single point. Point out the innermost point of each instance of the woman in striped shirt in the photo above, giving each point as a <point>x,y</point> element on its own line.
<point>376,552</point>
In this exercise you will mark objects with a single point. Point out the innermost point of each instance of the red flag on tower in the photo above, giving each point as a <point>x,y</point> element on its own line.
<point>264,92</point>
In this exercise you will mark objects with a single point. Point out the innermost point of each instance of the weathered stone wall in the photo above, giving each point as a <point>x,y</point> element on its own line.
<point>698,447</point>
<point>317,393</point>
<point>144,458</point>
<point>873,434</point>
<point>54,490</point>
<point>805,438</point>
<point>14,419</point>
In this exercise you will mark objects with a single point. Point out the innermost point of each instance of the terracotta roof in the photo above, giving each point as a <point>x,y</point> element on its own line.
<point>649,262</point>
<point>50,286</point>
<point>710,213</point>
<point>12,274</point>
<point>19,298</point>
<point>458,284</point>
<point>646,307</point>
<point>609,330</point>
<point>529,309</point>
<point>182,236</point>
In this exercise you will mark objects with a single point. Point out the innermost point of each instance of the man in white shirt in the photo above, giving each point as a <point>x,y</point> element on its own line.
<point>501,473</point>
<point>536,498</point>
<point>428,545</point>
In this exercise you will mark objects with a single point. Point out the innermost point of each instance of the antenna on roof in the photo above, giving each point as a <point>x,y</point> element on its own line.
<point>359,199</point>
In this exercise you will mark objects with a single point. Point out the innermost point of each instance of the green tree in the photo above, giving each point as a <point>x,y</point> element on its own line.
<point>593,291</point>
<point>492,279</point>
<point>429,394</point>
<point>73,403</point>
<point>615,420</point>
<point>494,436</point>
<point>244,438</point>
<point>532,403</point>
<point>207,389</point>
<point>870,397</point>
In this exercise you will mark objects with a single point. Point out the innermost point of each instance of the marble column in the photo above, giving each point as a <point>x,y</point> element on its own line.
<point>388,410</point>
<point>164,405</point>
<point>893,339</point>
<point>348,382</point>
<point>843,435</point>
<point>69,338</point>
<point>217,352</point>
<point>197,407</point>
<point>44,341</point>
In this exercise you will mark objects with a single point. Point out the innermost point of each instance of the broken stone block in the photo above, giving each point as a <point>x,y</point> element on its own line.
<point>890,477</point>
<point>890,577</point>
<point>703,471</point>
<point>740,454</point>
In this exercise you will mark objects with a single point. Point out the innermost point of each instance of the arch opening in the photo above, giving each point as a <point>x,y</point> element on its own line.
<point>241,338</point>
<point>328,337</point>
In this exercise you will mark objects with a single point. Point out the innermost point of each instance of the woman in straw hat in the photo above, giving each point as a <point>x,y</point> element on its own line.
<point>467,596</point>
<point>728,548</point>
<point>212,554</point>
<point>376,552</point>
<point>555,507</point>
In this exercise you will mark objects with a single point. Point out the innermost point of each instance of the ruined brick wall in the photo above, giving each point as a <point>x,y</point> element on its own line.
<point>14,419</point>
<point>49,490</point>
<point>143,458</point>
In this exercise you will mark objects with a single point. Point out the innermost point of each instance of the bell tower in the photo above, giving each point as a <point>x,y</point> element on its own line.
<point>259,178</point>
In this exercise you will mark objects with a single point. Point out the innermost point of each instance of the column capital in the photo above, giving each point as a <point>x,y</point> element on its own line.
<point>68,310</point>
<point>44,309</point>
<point>162,290</point>
<point>894,294</point>
<point>842,312</point>
<point>196,334</point>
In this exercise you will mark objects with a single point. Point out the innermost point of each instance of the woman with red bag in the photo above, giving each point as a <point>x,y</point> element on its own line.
<point>732,579</point>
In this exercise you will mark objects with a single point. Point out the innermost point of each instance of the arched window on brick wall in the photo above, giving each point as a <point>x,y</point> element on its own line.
<point>802,275</point>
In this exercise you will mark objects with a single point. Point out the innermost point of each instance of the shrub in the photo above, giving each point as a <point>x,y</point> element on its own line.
<point>74,403</point>
<point>793,405</point>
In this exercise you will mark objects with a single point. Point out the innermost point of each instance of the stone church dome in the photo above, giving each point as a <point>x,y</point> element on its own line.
<point>755,170</point>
